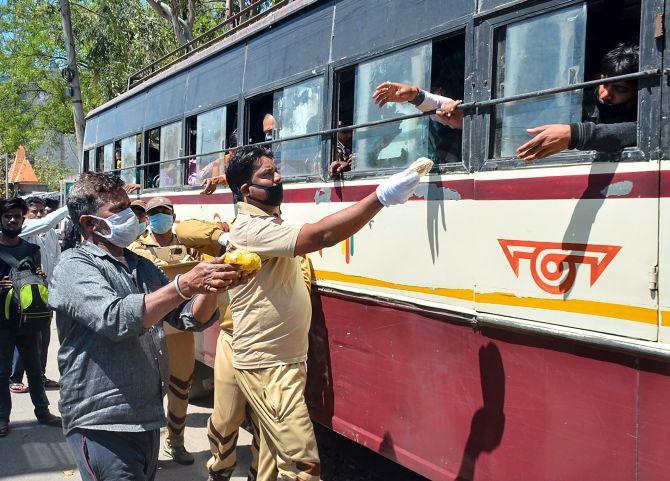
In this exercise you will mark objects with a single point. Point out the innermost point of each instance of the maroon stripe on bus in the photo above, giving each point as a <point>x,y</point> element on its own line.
<point>623,185</point>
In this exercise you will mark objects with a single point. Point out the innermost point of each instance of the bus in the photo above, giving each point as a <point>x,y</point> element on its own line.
<point>510,322</point>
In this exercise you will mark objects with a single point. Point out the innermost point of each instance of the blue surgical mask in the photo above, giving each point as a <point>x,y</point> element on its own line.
<point>161,223</point>
<point>123,228</point>
<point>143,227</point>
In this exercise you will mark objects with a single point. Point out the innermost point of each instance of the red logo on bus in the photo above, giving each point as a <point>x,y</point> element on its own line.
<point>553,265</point>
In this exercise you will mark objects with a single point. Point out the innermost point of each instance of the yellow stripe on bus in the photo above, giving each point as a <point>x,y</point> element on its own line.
<point>577,306</point>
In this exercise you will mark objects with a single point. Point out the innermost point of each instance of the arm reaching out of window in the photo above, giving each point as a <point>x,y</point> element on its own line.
<point>552,139</point>
<point>448,113</point>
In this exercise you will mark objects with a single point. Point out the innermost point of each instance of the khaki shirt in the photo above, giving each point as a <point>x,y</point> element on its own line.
<point>272,312</point>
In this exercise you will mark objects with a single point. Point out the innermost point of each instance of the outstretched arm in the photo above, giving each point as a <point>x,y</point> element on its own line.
<point>38,226</point>
<point>336,227</point>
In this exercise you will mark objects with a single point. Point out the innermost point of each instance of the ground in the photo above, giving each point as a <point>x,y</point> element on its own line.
<point>33,452</point>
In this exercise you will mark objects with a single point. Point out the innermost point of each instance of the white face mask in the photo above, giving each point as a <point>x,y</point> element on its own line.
<point>123,228</point>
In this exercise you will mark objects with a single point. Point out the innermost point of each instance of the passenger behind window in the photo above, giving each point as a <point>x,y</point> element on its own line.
<point>210,184</point>
<point>344,157</point>
<point>269,129</point>
<point>610,111</point>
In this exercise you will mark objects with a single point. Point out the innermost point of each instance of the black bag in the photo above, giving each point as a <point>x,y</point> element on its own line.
<point>25,305</point>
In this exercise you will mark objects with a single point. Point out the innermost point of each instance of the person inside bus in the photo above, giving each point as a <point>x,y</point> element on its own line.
<point>610,111</point>
<point>344,157</point>
<point>269,363</point>
<point>210,184</point>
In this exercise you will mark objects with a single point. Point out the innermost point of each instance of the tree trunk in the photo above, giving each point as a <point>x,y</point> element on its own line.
<point>73,77</point>
<point>229,6</point>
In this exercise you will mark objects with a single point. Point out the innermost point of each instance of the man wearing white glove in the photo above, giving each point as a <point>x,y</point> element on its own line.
<point>272,314</point>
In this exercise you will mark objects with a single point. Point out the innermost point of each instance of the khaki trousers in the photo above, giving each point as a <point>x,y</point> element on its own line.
<point>276,395</point>
<point>181,357</point>
<point>230,410</point>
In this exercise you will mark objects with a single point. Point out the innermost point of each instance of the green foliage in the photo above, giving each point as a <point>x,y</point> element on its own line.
<point>113,38</point>
<point>51,173</point>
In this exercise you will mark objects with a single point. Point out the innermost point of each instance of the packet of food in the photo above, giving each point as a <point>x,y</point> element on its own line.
<point>247,260</point>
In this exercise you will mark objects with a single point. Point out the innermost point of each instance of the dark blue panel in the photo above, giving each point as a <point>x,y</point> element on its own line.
<point>123,119</point>
<point>165,101</point>
<point>364,26</point>
<point>291,48</point>
<point>91,132</point>
<point>486,5</point>
<point>215,80</point>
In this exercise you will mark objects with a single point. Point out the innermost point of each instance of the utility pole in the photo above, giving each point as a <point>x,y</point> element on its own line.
<point>6,175</point>
<point>71,75</point>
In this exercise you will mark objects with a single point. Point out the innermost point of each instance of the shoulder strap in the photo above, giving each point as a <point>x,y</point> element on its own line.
<point>7,259</point>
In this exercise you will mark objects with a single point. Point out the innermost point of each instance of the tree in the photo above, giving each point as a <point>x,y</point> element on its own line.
<point>71,75</point>
<point>181,14</point>
<point>51,173</point>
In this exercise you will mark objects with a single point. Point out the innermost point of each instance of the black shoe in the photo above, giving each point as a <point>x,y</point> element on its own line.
<point>179,454</point>
<point>218,477</point>
<point>4,428</point>
<point>49,419</point>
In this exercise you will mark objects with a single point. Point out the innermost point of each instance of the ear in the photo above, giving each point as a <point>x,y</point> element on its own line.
<point>244,190</point>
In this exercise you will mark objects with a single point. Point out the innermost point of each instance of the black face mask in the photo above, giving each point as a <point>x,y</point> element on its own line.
<point>610,113</point>
<point>10,233</point>
<point>275,194</point>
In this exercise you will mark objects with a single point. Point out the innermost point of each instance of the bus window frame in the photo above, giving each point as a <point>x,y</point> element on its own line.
<point>453,30</point>
<point>138,162</point>
<point>273,87</point>
<point>145,134</point>
<point>194,115</point>
<point>649,94</point>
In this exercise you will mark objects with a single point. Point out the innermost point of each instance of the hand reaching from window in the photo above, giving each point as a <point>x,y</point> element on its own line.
<point>394,92</point>
<point>212,183</point>
<point>451,115</point>
<point>130,188</point>
<point>548,140</point>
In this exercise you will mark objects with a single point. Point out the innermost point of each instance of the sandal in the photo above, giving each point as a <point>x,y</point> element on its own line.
<point>18,388</point>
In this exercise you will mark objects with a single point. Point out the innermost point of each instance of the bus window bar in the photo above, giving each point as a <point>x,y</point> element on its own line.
<point>190,48</point>
<point>464,106</point>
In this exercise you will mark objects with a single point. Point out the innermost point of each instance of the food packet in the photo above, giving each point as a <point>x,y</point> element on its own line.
<point>247,260</point>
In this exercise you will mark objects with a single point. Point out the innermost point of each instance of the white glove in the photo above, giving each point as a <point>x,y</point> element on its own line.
<point>398,188</point>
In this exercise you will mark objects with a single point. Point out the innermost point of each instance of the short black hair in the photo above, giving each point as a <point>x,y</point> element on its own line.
<point>242,166</point>
<point>621,60</point>
<point>14,203</point>
<point>33,199</point>
<point>52,204</point>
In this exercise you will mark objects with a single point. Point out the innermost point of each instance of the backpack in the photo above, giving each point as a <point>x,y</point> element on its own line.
<point>26,304</point>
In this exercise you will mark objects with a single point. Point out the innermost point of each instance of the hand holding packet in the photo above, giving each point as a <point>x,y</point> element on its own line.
<point>398,188</point>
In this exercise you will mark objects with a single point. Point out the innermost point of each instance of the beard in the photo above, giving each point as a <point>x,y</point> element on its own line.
<point>11,233</point>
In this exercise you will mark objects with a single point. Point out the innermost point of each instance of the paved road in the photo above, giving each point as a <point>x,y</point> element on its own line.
<point>33,452</point>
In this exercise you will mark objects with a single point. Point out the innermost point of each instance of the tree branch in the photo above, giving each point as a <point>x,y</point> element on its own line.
<point>161,9</point>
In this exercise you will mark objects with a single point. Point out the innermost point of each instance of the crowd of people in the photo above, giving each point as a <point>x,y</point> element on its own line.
<point>132,289</point>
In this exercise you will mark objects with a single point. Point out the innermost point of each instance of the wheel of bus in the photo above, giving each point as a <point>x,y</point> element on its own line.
<point>202,386</point>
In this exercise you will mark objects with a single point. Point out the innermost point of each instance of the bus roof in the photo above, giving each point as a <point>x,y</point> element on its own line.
<point>254,29</point>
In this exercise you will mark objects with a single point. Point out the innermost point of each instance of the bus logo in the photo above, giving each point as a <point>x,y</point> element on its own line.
<point>553,265</point>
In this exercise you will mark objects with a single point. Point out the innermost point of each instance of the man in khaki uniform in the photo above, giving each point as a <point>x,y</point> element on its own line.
<point>162,247</point>
<point>272,313</point>
<point>230,405</point>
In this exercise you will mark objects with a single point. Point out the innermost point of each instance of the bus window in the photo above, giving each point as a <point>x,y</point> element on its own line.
<point>297,111</point>
<point>396,145</point>
<point>209,132</point>
<point>98,159</point>
<point>87,159</point>
<point>108,157</point>
<point>170,148</point>
<point>589,35</point>
<point>294,110</point>
<point>130,149</point>
<point>342,154</point>
<point>531,46</point>
<point>152,172</point>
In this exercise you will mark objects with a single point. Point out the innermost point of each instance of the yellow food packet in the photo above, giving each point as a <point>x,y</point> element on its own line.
<point>249,261</point>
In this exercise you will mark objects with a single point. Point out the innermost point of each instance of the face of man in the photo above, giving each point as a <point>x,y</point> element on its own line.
<point>268,124</point>
<point>114,202</point>
<point>617,93</point>
<point>266,175</point>
<point>12,222</point>
<point>36,211</point>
